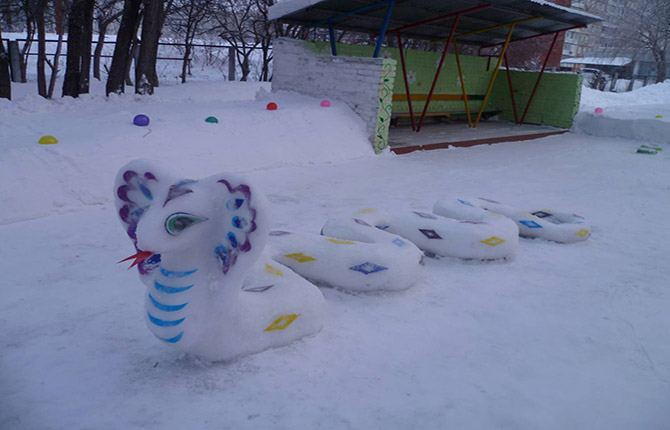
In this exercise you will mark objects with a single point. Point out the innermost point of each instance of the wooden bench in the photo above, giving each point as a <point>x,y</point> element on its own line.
<point>443,114</point>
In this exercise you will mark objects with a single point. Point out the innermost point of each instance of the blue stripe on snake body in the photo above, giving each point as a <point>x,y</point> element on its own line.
<point>164,323</point>
<point>170,290</point>
<point>171,339</point>
<point>176,273</point>
<point>166,308</point>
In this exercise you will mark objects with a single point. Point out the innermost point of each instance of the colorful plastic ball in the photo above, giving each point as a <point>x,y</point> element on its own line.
<point>141,120</point>
<point>598,110</point>
<point>325,103</point>
<point>212,120</point>
<point>47,140</point>
<point>271,106</point>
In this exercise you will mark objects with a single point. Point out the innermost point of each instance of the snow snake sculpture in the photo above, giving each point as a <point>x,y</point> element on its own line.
<point>221,284</point>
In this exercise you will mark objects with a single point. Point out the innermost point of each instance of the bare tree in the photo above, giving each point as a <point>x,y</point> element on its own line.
<point>235,18</point>
<point>264,31</point>
<point>146,77</point>
<point>59,13</point>
<point>5,81</point>
<point>635,26</point>
<point>38,13</point>
<point>28,10</point>
<point>80,28</point>
<point>650,26</point>
<point>185,19</point>
<point>105,13</point>
<point>124,38</point>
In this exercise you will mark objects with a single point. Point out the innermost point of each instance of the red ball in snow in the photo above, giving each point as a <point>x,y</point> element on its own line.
<point>271,106</point>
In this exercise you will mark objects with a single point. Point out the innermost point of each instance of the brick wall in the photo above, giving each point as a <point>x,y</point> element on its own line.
<point>356,81</point>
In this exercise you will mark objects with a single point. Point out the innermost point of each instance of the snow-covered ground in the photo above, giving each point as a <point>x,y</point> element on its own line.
<point>648,120</point>
<point>563,336</point>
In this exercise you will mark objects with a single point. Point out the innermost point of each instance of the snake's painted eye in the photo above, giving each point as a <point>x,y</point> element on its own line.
<point>178,222</point>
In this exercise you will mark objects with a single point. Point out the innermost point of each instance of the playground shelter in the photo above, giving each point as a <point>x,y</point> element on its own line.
<point>486,24</point>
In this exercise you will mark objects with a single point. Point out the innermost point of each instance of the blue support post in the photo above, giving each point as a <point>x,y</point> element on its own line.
<point>382,34</point>
<point>331,33</point>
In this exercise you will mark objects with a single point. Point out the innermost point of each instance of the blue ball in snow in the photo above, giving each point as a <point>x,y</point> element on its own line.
<point>141,120</point>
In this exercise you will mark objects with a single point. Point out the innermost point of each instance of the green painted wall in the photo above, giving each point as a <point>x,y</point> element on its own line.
<point>555,103</point>
<point>421,72</point>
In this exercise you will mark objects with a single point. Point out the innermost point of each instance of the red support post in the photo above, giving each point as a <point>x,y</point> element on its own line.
<point>537,83</point>
<point>404,75</point>
<point>437,74</point>
<point>511,90</point>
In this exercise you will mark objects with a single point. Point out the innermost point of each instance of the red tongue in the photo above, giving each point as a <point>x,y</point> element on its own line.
<point>139,257</point>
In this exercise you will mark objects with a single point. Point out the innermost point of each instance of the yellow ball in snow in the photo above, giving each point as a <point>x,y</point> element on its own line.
<point>47,140</point>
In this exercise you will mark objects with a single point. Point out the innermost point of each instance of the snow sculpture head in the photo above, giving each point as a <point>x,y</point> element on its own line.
<point>212,216</point>
<point>197,241</point>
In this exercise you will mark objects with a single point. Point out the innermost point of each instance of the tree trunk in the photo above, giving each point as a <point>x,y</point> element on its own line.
<point>661,67</point>
<point>134,54</point>
<point>184,65</point>
<point>125,35</point>
<point>102,31</point>
<point>146,77</point>
<point>54,66</point>
<point>5,80</point>
<point>41,49</point>
<point>86,43</point>
<point>74,44</point>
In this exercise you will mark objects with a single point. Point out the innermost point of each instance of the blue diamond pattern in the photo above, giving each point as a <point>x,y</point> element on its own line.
<point>368,268</point>
<point>541,214</point>
<point>465,203</point>
<point>399,242</point>
<point>530,224</point>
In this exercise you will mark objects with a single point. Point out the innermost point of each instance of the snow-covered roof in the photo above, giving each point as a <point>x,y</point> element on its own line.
<point>368,15</point>
<point>600,61</point>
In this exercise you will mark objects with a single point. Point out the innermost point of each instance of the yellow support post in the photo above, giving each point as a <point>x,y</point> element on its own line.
<point>460,76</point>
<point>493,78</point>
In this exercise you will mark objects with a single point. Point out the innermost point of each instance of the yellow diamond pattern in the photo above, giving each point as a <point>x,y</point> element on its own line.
<point>282,322</point>
<point>583,233</point>
<point>368,211</point>
<point>493,241</point>
<point>273,270</point>
<point>340,241</point>
<point>300,257</point>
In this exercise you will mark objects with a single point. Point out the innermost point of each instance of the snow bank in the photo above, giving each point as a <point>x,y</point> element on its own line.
<point>631,115</point>
<point>96,136</point>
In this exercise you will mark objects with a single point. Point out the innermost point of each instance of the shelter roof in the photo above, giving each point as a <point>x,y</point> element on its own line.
<point>370,15</point>
<point>599,61</point>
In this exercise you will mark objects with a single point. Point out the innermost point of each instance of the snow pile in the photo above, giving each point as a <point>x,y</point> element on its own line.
<point>96,135</point>
<point>564,336</point>
<point>642,114</point>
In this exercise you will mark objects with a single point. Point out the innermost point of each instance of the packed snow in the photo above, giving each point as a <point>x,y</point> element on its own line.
<point>648,121</point>
<point>561,336</point>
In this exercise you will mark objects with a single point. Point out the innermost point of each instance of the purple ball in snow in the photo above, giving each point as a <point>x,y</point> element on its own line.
<point>141,120</point>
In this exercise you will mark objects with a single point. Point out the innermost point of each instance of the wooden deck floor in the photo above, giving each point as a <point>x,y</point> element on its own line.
<point>443,135</point>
